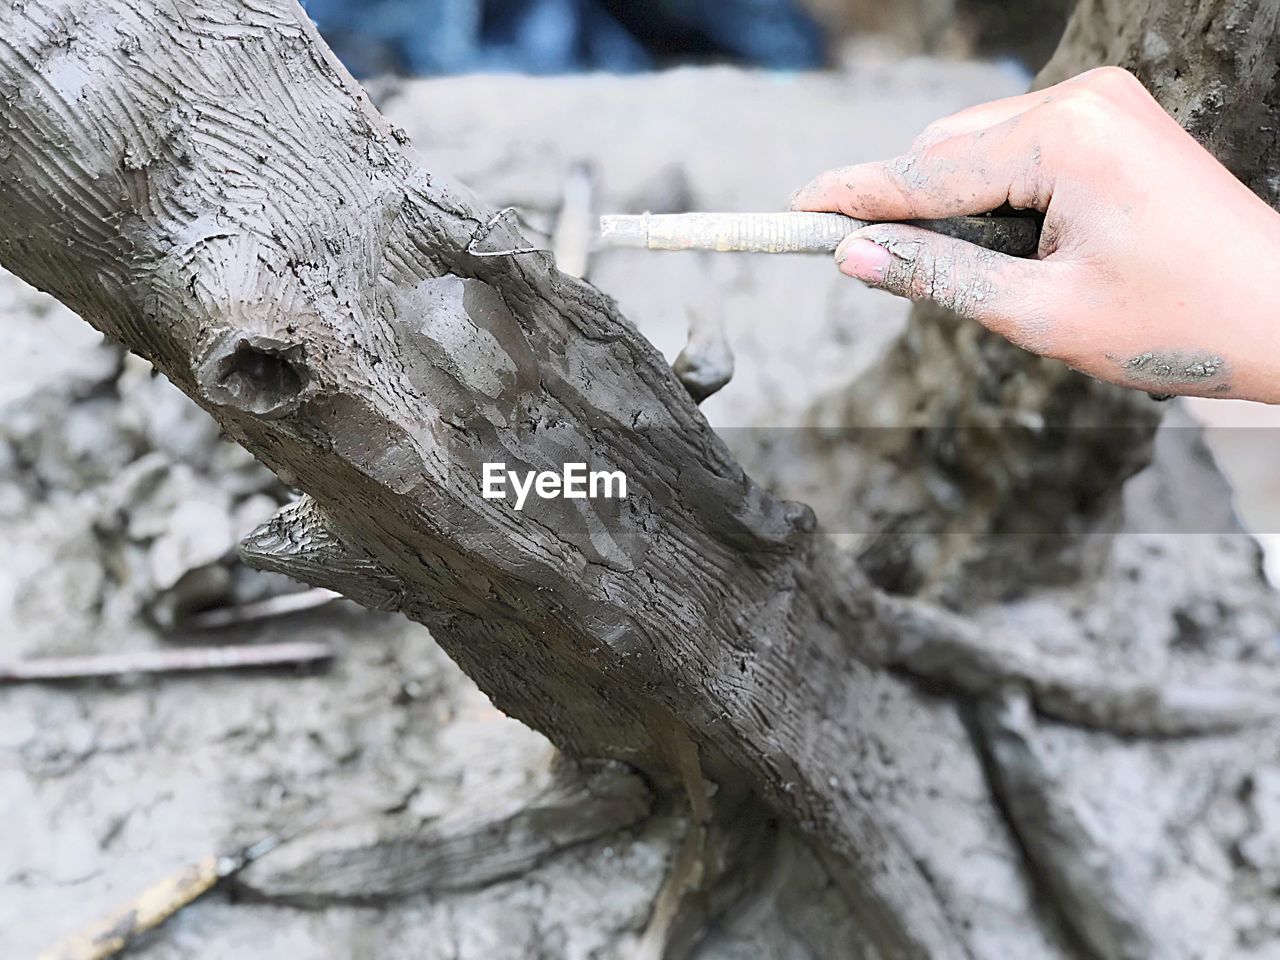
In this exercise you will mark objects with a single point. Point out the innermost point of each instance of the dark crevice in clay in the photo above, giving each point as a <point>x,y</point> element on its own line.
<point>256,374</point>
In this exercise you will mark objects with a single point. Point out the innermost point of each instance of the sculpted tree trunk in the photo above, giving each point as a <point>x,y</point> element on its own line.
<point>204,183</point>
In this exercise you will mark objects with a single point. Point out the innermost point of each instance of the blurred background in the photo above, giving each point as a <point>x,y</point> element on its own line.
<point>433,37</point>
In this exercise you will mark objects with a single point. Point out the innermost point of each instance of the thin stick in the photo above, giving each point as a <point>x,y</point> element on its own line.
<point>797,232</point>
<point>571,241</point>
<point>111,936</point>
<point>183,660</point>
<point>277,606</point>
<point>114,934</point>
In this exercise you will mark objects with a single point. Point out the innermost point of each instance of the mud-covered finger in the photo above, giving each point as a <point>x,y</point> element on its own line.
<point>969,174</point>
<point>1006,294</point>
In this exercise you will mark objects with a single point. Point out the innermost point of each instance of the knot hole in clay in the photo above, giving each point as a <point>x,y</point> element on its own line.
<point>256,374</point>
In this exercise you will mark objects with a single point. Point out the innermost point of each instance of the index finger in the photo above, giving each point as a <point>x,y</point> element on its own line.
<point>968,174</point>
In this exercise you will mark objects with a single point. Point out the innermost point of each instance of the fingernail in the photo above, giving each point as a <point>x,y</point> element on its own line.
<point>860,258</point>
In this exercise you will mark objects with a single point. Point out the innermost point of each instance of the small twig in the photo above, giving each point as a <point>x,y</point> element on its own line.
<point>185,660</point>
<point>113,935</point>
<point>571,240</point>
<point>691,872</point>
<point>277,606</point>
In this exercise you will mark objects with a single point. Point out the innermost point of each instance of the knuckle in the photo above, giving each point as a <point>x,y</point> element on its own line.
<point>1107,91</point>
<point>1083,104</point>
<point>1030,188</point>
<point>905,175</point>
<point>1084,118</point>
<point>953,277</point>
<point>903,171</point>
<point>922,179</point>
<point>933,133</point>
<point>1112,79</point>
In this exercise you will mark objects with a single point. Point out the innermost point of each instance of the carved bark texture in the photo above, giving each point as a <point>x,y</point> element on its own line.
<point>201,181</point>
<point>204,183</point>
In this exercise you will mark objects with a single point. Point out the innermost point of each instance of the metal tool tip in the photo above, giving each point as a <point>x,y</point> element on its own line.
<point>624,231</point>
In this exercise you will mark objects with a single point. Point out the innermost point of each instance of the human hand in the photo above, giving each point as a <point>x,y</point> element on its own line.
<point>1157,268</point>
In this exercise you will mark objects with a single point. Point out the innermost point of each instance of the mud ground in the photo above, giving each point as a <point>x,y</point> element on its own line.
<point>120,507</point>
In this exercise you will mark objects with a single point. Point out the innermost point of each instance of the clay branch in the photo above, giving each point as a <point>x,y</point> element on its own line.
<point>255,229</point>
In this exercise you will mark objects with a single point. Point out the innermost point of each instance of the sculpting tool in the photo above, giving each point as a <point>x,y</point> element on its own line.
<point>1017,236</point>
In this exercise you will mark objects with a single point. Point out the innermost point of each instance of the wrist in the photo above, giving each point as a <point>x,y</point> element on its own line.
<point>1250,314</point>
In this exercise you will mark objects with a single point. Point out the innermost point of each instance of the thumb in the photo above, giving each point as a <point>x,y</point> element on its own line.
<point>1000,291</point>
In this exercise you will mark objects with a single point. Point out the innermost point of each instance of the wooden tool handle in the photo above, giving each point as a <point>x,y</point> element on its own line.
<point>798,232</point>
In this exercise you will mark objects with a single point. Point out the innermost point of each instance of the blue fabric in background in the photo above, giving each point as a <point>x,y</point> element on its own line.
<point>424,37</point>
